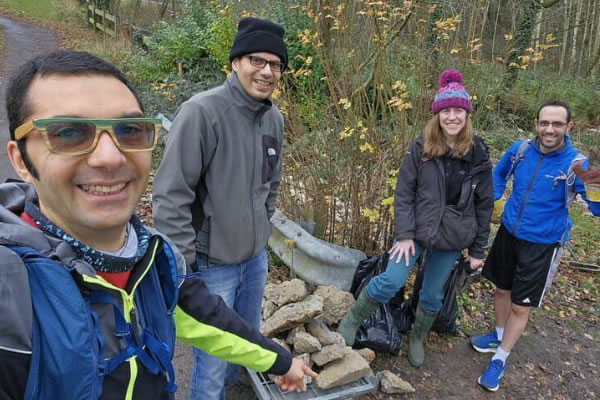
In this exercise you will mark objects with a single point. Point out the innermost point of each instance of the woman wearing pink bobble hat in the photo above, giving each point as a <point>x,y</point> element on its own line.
<point>443,204</point>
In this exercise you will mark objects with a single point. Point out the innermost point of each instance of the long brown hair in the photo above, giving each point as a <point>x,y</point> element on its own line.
<point>435,142</point>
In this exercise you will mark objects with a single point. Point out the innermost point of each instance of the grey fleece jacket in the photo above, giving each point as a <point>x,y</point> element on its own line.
<point>215,190</point>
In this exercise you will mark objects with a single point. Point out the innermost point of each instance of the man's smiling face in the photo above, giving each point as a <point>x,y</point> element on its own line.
<point>90,196</point>
<point>259,83</point>
<point>552,127</point>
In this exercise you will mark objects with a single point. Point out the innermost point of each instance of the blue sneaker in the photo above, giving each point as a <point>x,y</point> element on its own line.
<point>490,379</point>
<point>486,343</point>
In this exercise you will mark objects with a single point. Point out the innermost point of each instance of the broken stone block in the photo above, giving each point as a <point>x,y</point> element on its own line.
<point>392,383</point>
<point>321,331</point>
<point>287,292</point>
<point>345,370</point>
<point>292,334</point>
<point>282,343</point>
<point>328,354</point>
<point>291,315</point>
<point>304,342</point>
<point>338,339</point>
<point>336,303</point>
<point>268,308</point>
<point>367,354</point>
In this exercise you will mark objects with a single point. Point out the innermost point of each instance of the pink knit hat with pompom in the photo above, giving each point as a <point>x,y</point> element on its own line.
<point>452,93</point>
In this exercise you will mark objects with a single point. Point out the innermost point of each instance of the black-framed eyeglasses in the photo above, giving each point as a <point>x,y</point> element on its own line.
<point>555,124</point>
<point>77,136</point>
<point>260,62</point>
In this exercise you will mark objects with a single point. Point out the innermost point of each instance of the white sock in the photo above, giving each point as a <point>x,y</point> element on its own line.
<point>499,333</point>
<point>500,355</point>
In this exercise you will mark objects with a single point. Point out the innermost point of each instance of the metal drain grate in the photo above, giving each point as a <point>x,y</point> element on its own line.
<point>266,389</point>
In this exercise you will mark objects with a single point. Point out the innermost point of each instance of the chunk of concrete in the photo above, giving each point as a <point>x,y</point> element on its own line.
<point>393,384</point>
<point>367,354</point>
<point>293,332</point>
<point>286,292</point>
<point>268,308</point>
<point>291,315</point>
<point>336,303</point>
<point>304,342</point>
<point>321,331</point>
<point>328,354</point>
<point>348,369</point>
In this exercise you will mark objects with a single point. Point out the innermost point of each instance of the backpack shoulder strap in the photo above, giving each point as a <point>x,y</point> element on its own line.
<point>570,181</point>
<point>519,155</point>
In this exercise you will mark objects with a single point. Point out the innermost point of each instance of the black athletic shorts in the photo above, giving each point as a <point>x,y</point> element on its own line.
<point>525,268</point>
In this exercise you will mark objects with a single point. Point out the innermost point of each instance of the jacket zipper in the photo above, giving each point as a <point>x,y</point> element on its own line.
<point>251,190</point>
<point>537,167</point>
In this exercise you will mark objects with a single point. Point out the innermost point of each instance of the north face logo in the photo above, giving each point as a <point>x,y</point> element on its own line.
<point>271,151</point>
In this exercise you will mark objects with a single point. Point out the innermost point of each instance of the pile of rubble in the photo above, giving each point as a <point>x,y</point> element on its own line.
<point>301,321</point>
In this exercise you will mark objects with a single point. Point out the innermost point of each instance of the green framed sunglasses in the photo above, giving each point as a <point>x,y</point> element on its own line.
<point>77,136</point>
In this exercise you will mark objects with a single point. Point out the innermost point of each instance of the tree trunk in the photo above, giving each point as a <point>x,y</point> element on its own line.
<point>495,30</point>
<point>537,34</point>
<point>565,37</point>
<point>585,39</point>
<point>522,38</point>
<point>594,67</point>
<point>163,8</point>
<point>575,37</point>
<point>593,33</point>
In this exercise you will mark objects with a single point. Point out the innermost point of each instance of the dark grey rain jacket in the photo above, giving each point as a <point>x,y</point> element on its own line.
<point>420,209</point>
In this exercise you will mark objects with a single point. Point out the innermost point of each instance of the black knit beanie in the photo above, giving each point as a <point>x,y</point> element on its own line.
<point>259,35</point>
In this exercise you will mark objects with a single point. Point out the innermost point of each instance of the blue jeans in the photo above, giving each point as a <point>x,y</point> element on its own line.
<point>437,266</point>
<point>241,287</point>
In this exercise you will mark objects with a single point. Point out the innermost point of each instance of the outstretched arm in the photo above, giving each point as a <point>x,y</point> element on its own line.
<point>204,321</point>
<point>587,176</point>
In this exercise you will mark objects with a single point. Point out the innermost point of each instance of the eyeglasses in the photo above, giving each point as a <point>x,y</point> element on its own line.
<point>77,136</point>
<point>555,124</point>
<point>260,62</point>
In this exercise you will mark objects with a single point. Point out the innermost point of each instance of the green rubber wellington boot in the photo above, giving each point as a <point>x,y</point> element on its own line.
<point>423,321</point>
<point>360,311</point>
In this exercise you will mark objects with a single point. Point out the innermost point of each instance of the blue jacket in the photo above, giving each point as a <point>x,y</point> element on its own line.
<point>535,210</point>
<point>66,333</point>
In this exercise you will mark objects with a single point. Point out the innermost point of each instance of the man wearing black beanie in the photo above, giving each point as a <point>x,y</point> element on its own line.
<point>215,190</point>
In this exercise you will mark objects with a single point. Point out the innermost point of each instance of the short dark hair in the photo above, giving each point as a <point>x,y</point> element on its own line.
<point>555,103</point>
<point>63,62</point>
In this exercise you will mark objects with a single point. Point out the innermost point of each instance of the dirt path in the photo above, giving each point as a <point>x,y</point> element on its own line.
<point>22,41</point>
<point>557,358</point>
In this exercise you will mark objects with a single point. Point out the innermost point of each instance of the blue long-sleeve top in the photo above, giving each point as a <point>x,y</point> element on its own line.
<point>535,210</point>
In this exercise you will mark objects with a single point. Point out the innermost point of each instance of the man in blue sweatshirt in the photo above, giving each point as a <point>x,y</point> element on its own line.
<point>535,225</point>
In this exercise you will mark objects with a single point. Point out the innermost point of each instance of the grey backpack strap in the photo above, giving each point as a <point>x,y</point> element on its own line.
<point>570,181</point>
<point>519,155</point>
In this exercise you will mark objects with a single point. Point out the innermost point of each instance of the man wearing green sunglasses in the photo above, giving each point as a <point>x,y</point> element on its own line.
<point>91,298</point>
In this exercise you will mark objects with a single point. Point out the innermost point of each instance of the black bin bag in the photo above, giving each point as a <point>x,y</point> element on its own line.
<point>378,332</point>
<point>460,279</point>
